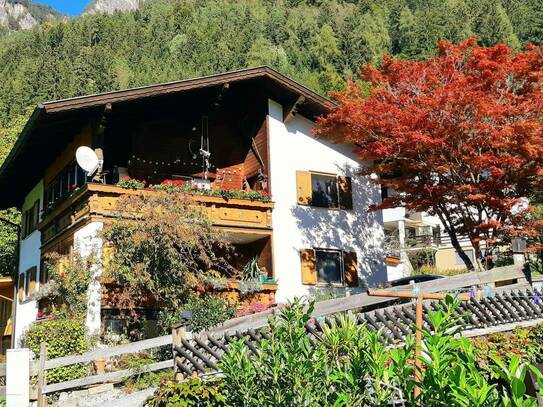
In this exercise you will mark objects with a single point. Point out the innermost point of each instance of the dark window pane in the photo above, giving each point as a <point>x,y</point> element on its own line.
<point>329,267</point>
<point>71,178</point>
<point>324,191</point>
<point>56,186</point>
<point>63,184</point>
<point>384,192</point>
<point>81,176</point>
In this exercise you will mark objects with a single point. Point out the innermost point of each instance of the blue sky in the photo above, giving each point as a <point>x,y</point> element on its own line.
<point>70,7</point>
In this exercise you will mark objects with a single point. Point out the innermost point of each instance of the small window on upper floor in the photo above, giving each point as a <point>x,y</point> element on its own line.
<point>30,219</point>
<point>324,190</point>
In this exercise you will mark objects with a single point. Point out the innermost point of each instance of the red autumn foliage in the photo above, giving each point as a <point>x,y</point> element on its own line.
<point>459,135</point>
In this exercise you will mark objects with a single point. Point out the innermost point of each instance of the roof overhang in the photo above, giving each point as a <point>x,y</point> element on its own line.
<point>32,152</point>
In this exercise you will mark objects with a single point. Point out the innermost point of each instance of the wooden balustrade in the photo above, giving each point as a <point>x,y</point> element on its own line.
<point>99,201</point>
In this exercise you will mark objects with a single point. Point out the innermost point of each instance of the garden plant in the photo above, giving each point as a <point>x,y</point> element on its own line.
<point>353,366</point>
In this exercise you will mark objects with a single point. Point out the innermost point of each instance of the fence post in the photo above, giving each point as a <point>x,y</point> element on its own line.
<point>42,402</point>
<point>179,331</point>
<point>17,377</point>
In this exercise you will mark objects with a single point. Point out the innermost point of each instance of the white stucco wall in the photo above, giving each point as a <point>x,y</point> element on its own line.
<point>87,242</point>
<point>296,227</point>
<point>29,256</point>
<point>395,271</point>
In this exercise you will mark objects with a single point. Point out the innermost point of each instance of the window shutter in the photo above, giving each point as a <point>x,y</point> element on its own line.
<point>309,266</point>
<point>21,287</point>
<point>303,187</point>
<point>345,192</point>
<point>350,266</point>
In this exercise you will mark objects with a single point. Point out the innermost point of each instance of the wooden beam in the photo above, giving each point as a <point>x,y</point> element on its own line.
<point>405,294</point>
<point>292,109</point>
<point>114,377</point>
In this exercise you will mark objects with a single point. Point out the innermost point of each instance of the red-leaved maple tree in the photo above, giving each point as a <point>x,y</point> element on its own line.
<point>459,135</point>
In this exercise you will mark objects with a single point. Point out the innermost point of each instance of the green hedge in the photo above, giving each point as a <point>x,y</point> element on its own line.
<point>62,337</point>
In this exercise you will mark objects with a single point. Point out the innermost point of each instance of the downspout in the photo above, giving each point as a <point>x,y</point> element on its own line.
<point>14,277</point>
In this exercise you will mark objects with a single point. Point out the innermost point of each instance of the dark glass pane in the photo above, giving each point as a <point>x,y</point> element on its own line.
<point>81,176</point>
<point>324,191</point>
<point>56,189</point>
<point>329,267</point>
<point>71,178</point>
<point>63,181</point>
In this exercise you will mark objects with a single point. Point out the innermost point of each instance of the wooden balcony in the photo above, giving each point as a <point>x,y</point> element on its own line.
<point>98,202</point>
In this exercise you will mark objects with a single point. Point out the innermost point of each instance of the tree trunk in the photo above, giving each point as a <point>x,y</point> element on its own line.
<point>449,228</point>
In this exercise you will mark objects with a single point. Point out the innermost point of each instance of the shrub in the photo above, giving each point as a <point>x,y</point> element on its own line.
<point>353,366</point>
<point>69,279</point>
<point>62,337</point>
<point>130,183</point>
<point>166,254</point>
<point>208,310</point>
<point>192,392</point>
<point>526,343</point>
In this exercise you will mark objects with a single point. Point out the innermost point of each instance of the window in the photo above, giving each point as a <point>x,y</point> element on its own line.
<point>384,193</point>
<point>21,287</point>
<point>31,219</point>
<point>324,190</point>
<point>458,259</point>
<point>70,178</point>
<point>329,267</point>
<point>27,284</point>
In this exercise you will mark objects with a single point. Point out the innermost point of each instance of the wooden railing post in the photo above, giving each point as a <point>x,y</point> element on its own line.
<point>42,380</point>
<point>179,331</point>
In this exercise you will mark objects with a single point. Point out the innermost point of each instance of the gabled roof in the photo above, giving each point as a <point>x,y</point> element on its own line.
<point>33,150</point>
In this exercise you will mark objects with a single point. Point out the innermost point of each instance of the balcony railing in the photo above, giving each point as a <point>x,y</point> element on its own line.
<point>100,201</point>
<point>422,241</point>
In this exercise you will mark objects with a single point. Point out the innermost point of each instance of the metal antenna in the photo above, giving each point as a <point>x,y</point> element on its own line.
<point>204,146</point>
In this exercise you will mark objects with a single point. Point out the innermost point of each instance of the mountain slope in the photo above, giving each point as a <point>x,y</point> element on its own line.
<point>23,14</point>
<point>110,6</point>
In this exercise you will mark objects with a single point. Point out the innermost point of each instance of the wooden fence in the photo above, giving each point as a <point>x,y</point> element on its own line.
<point>512,276</point>
<point>502,311</point>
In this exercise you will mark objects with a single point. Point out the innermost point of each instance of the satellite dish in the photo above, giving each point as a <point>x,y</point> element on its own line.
<point>87,159</point>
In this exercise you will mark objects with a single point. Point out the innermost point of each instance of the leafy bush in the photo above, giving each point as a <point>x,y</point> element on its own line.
<point>353,366</point>
<point>526,343</point>
<point>62,337</point>
<point>192,392</point>
<point>207,311</point>
<point>140,379</point>
<point>69,279</point>
<point>166,254</point>
<point>130,183</point>
<point>288,370</point>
